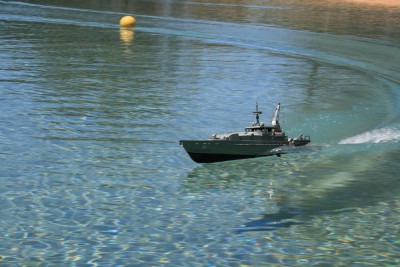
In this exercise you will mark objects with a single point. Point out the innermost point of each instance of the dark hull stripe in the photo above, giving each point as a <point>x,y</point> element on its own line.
<point>209,158</point>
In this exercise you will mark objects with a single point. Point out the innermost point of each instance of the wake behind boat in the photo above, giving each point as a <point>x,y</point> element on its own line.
<point>257,140</point>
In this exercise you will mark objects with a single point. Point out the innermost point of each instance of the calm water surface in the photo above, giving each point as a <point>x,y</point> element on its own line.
<point>90,117</point>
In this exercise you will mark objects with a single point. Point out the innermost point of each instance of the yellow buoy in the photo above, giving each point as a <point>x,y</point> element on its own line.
<point>127,21</point>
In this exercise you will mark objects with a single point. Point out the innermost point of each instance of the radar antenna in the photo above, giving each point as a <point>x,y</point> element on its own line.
<point>257,113</point>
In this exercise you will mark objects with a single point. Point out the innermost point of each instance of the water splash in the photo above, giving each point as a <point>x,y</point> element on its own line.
<point>376,136</point>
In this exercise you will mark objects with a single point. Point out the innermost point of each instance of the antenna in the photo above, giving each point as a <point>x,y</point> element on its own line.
<point>257,113</point>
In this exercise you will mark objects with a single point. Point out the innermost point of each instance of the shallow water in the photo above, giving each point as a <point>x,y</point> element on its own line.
<point>90,117</point>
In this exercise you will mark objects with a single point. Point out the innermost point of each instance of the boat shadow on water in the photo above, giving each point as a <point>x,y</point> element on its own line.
<point>357,182</point>
<point>305,185</point>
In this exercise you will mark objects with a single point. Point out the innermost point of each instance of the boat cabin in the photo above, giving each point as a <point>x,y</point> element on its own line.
<point>264,129</point>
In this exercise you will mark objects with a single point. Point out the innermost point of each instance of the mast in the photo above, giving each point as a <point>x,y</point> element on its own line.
<point>275,119</point>
<point>257,113</point>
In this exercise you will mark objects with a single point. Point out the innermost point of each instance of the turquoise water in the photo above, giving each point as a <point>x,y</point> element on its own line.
<point>91,169</point>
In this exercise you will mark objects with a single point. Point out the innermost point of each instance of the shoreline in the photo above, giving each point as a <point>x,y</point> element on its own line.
<point>387,3</point>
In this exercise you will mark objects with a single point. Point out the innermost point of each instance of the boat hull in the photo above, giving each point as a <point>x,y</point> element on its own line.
<point>214,151</point>
<point>210,158</point>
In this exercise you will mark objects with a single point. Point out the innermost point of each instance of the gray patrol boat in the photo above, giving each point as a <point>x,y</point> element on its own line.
<point>257,140</point>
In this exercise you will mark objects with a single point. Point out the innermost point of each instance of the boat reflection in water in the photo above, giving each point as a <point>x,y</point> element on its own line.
<point>257,140</point>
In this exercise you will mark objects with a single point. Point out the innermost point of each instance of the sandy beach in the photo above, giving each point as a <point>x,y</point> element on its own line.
<point>394,3</point>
